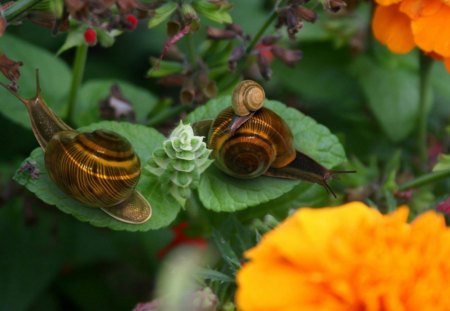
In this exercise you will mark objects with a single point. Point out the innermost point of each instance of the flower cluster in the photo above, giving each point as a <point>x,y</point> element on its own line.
<point>405,24</point>
<point>293,16</point>
<point>90,17</point>
<point>116,107</point>
<point>179,163</point>
<point>264,51</point>
<point>349,258</point>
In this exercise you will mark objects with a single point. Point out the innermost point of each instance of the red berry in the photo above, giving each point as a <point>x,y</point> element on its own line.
<point>133,21</point>
<point>90,36</point>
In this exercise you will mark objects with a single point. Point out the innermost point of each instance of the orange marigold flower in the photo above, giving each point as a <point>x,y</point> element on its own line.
<point>405,24</point>
<point>349,258</point>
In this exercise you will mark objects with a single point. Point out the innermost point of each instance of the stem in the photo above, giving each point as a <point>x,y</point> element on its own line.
<point>258,36</point>
<point>425,180</point>
<point>425,63</point>
<point>254,41</point>
<point>77,77</point>
<point>261,31</point>
<point>190,49</point>
<point>19,8</point>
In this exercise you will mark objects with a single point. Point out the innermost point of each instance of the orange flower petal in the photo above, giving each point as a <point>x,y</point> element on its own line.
<point>363,261</point>
<point>262,296</point>
<point>392,28</point>
<point>387,2</point>
<point>315,230</point>
<point>416,8</point>
<point>432,33</point>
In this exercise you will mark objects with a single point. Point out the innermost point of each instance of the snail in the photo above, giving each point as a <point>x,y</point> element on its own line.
<point>248,97</point>
<point>99,169</point>
<point>262,145</point>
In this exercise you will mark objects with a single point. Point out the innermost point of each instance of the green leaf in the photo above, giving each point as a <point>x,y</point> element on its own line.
<point>422,200</point>
<point>53,7</point>
<point>390,171</point>
<point>213,11</point>
<point>220,192</point>
<point>162,68</point>
<point>302,195</point>
<point>106,38</point>
<point>440,80</point>
<point>54,75</point>
<point>225,250</point>
<point>161,14</point>
<point>213,275</point>
<point>144,140</point>
<point>391,201</point>
<point>74,38</point>
<point>443,163</point>
<point>392,93</point>
<point>87,109</point>
<point>223,193</point>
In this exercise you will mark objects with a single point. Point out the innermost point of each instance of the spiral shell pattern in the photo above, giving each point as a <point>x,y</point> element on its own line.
<point>99,169</point>
<point>263,141</point>
<point>247,96</point>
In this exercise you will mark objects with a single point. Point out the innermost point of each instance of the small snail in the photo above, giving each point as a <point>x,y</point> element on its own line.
<point>248,97</point>
<point>100,168</point>
<point>262,145</point>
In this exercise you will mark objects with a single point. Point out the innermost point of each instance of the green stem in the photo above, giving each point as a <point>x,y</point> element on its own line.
<point>190,49</point>
<point>77,77</point>
<point>425,63</point>
<point>261,31</point>
<point>253,43</point>
<point>18,8</point>
<point>425,180</point>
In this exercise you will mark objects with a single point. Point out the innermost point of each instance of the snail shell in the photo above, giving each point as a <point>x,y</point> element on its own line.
<point>99,168</point>
<point>262,142</point>
<point>248,96</point>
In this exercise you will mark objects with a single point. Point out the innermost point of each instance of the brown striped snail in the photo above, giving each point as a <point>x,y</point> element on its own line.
<point>260,144</point>
<point>100,168</point>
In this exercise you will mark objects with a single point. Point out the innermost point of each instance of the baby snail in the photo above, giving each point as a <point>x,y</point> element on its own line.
<point>259,144</point>
<point>99,169</point>
<point>248,97</point>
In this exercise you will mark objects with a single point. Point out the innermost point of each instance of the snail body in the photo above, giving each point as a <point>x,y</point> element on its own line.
<point>99,169</point>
